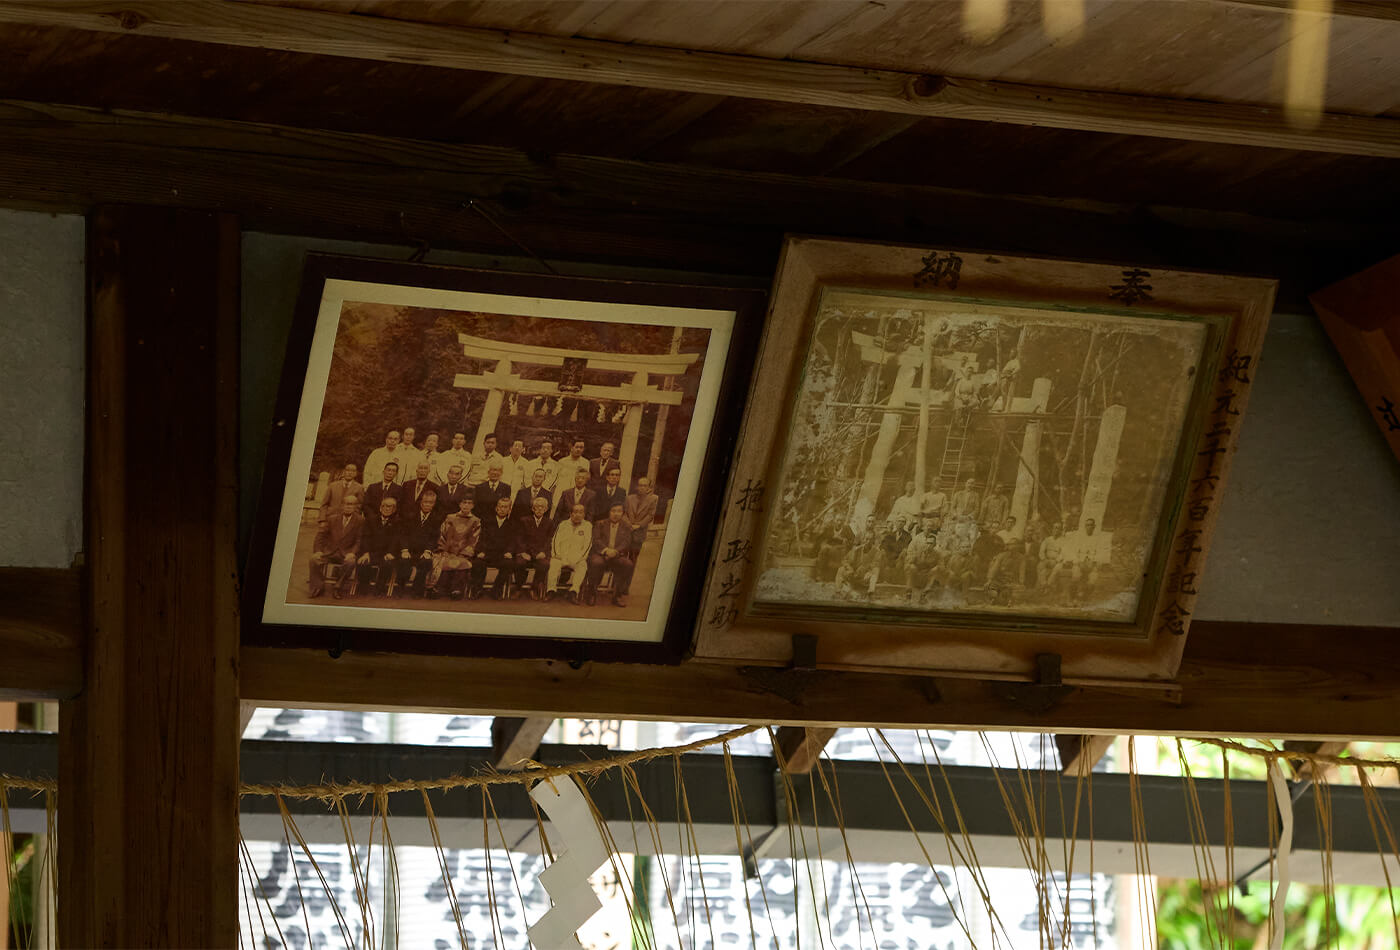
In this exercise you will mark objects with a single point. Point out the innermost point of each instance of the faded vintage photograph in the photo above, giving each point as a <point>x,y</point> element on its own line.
<point>966,457</point>
<point>477,469</point>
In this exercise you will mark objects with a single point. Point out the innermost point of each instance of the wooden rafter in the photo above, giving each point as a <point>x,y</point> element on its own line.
<point>801,746</point>
<point>1080,753</point>
<point>610,63</point>
<point>516,739</point>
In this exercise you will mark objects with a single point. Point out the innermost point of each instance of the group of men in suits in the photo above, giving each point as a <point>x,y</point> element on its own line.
<point>457,515</point>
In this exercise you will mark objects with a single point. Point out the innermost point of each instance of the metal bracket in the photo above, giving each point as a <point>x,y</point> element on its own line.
<point>789,681</point>
<point>804,652</point>
<point>1043,694</point>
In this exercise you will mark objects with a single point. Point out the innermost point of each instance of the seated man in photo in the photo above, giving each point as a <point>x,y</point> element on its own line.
<point>458,539</point>
<point>336,546</point>
<point>525,498</point>
<point>497,549</point>
<point>379,547</point>
<point>612,494</point>
<point>639,512</point>
<point>610,540</point>
<point>569,548</point>
<point>418,539</point>
<point>533,536</point>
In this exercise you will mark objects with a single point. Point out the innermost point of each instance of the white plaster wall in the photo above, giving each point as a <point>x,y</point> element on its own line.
<point>42,354</point>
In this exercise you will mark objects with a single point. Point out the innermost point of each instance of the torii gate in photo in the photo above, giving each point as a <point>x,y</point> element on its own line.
<point>636,394</point>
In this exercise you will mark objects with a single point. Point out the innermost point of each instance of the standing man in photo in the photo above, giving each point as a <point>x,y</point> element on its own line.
<point>580,494</point>
<point>452,491</point>
<point>387,487</point>
<point>571,463</point>
<point>386,453</point>
<point>544,458</point>
<point>639,512</point>
<point>347,484</point>
<point>433,457</point>
<point>611,494</point>
<point>414,488</point>
<point>492,490</point>
<point>457,455</point>
<point>516,467</point>
<point>481,464</point>
<point>598,468</point>
<point>409,455</point>
<point>526,497</point>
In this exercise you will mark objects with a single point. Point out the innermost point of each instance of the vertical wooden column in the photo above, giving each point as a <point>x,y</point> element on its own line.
<point>148,772</point>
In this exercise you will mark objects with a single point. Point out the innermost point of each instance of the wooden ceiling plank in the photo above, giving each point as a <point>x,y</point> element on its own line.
<point>331,34</point>
<point>801,746</point>
<point>1329,683</point>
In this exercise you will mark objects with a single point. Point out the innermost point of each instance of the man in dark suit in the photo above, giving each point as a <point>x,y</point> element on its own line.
<point>336,544</point>
<point>491,491</point>
<point>413,489</point>
<point>598,468</point>
<point>497,549</point>
<point>452,491</point>
<point>533,534</point>
<point>525,498</point>
<point>612,494</point>
<point>380,546</point>
<point>418,538</point>
<point>385,488</point>
<point>609,553</point>
<point>579,494</point>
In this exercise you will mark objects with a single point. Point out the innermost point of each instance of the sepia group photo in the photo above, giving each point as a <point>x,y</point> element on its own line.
<point>948,456</point>
<point>466,463</point>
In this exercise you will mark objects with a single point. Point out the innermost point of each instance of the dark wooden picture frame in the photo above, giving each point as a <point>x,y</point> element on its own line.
<point>538,307</point>
<point>741,624</point>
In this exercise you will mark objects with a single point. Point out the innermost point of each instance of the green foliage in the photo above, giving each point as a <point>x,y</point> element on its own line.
<point>1358,918</point>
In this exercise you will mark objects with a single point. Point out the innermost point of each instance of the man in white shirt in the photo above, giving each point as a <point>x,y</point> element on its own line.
<point>905,510</point>
<point>516,468</point>
<point>544,458</point>
<point>433,457</point>
<point>386,453</point>
<point>482,464</point>
<point>572,540</point>
<point>457,455</point>
<point>409,455</point>
<point>571,463</point>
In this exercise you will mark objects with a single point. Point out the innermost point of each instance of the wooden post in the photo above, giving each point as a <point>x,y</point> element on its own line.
<point>148,769</point>
<point>515,739</point>
<point>802,746</point>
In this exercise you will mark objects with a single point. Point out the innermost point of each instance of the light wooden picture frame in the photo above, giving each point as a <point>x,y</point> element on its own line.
<point>906,519</point>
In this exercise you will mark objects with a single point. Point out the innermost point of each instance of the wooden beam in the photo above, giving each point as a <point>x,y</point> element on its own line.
<point>1358,9</point>
<point>801,746</point>
<point>351,186</point>
<point>1362,316</point>
<point>148,764</point>
<point>1236,679</point>
<point>383,39</point>
<point>1079,753</point>
<point>41,628</point>
<point>513,740</point>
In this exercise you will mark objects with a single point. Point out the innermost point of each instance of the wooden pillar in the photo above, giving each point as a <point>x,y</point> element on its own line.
<point>148,770</point>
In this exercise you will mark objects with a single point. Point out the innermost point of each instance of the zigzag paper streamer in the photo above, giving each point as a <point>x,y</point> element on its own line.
<point>566,880</point>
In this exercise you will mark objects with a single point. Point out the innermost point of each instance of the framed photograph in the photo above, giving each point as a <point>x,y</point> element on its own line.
<point>959,461</point>
<point>478,462</point>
